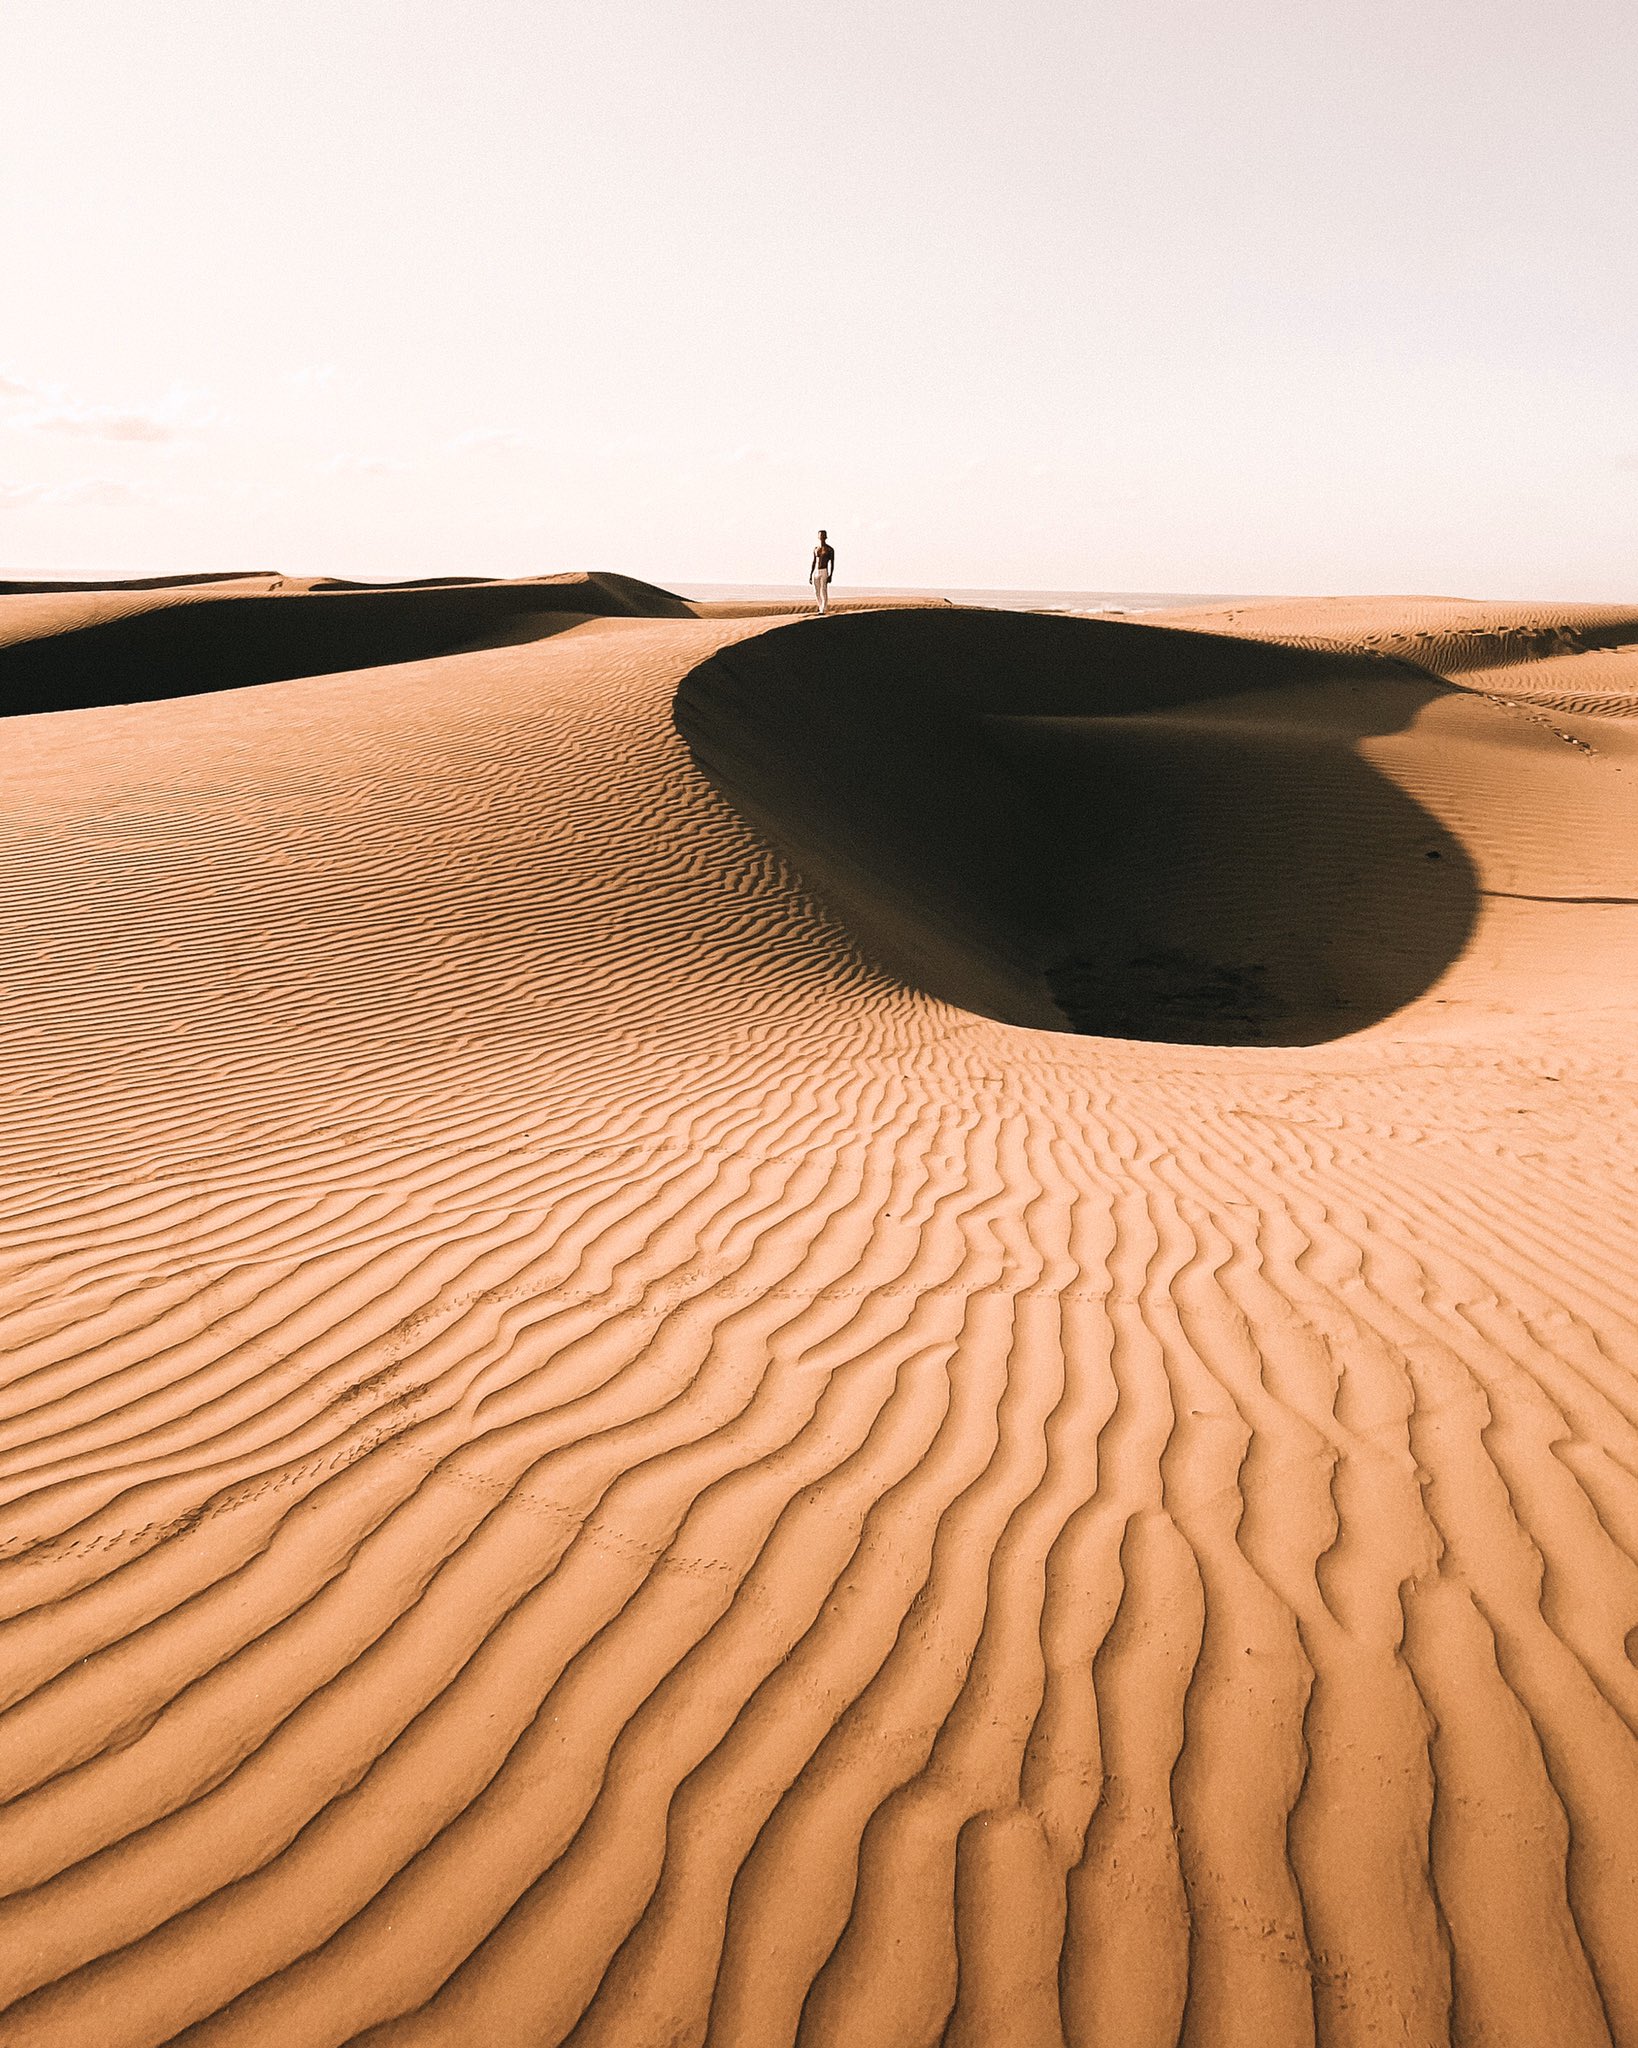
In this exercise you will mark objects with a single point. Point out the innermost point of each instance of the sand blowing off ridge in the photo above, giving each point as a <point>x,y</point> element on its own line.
<point>915,1330</point>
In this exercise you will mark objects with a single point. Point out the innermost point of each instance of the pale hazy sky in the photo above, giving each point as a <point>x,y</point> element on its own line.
<point>1275,295</point>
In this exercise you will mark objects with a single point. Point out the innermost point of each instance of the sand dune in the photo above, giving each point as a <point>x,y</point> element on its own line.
<point>68,653</point>
<point>57,586</point>
<point>615,1430</point>
<point>1154,834</point>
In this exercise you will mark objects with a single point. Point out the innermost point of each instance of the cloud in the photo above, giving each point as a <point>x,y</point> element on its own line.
<point>90,490</point>
<point>103,423</point>
<point>48,409</point>
<point>311,377</point>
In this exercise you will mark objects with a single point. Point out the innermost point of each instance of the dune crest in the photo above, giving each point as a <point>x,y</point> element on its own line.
<point>582,1459</point>
<point>142,642</point>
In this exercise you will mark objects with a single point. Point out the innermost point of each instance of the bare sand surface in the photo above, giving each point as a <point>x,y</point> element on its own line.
<point>913,1329</point>
<point>797,597</point>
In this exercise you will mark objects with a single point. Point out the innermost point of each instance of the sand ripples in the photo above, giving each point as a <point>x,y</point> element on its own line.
<point>580,1465</point>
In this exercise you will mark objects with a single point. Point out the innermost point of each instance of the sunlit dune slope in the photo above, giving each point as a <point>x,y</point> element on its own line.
<point>61,652</point>
<point>612,1428</point>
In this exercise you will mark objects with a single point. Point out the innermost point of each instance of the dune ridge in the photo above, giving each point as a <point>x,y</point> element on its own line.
<point>582,1460</point>
<point>141,642</point>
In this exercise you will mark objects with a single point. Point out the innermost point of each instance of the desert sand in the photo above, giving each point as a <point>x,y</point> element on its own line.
<point>727,1329</point>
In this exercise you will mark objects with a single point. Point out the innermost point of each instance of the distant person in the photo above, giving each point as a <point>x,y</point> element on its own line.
<point>824,561</point>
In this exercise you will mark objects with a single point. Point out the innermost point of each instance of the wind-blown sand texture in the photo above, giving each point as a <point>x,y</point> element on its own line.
<point>614,1430</point>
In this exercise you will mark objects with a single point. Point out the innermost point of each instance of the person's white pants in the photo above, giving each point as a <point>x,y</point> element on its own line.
<point>821,590</point>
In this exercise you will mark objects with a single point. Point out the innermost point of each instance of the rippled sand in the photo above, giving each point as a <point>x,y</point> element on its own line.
<point>613,1431</point>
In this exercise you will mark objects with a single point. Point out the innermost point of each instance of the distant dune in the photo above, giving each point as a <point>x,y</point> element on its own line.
<point>723,1328</point>
<point>66,652</point>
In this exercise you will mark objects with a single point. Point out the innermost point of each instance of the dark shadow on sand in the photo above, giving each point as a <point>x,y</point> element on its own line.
<point>196,646</point>
<point>1094,826</point>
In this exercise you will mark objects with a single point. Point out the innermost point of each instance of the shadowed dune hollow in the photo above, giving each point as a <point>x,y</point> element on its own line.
<point>1087,825</point>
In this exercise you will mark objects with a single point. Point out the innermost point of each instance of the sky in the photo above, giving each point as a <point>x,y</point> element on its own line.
<point>1261,295</point>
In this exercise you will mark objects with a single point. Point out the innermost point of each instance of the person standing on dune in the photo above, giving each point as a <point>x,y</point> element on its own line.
<point>824,561</point>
